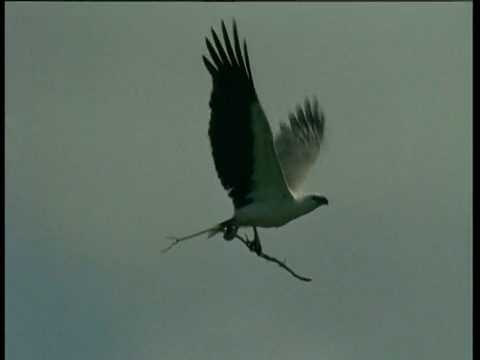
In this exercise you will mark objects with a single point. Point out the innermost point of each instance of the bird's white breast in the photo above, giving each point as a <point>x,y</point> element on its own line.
<point>270,214</point>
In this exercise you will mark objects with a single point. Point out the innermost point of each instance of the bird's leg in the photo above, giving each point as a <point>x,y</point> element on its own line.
<point>255,245</point>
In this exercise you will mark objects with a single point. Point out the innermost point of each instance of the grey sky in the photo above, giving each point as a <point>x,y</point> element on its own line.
<point>107,154</point>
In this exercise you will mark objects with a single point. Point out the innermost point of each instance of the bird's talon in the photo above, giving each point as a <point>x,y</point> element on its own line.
<point>255,246</point>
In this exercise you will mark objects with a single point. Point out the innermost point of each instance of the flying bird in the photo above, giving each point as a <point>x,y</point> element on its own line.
<point>263,175</point>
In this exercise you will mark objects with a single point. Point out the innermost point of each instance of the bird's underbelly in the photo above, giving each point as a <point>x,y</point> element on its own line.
<point>268,214</point>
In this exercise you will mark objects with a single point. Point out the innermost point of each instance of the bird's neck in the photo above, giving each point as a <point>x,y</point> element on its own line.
<point>305,204</point>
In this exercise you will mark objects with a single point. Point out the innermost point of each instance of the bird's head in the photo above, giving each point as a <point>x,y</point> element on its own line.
<point>318,200</point>
<point>312,201</point>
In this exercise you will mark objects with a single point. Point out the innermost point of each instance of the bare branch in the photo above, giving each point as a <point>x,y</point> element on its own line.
<point>247,243</point>
<point>267,257</point>
<point>175,242</point>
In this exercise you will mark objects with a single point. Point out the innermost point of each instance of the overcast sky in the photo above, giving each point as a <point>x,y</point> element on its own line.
<point>107,154</point>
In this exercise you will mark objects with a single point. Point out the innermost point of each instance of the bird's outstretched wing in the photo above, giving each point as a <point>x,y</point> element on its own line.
<point>298,145</point>
<point>242,143</point>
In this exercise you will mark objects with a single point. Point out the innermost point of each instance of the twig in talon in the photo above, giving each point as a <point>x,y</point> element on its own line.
<point>214,230</point>
<point>284,265</point>
<point>245,241</point>
<point>273,259</point>
<point>175,242</point>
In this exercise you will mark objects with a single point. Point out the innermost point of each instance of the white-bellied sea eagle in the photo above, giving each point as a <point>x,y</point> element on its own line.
<point>261,174</point>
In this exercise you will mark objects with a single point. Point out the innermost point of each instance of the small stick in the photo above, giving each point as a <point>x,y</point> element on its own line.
<point>176,240</point>
<point>267,257</point>
<point>246,242</point>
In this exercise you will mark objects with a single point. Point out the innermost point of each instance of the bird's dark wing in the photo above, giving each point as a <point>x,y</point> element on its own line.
<point>240,136</point>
